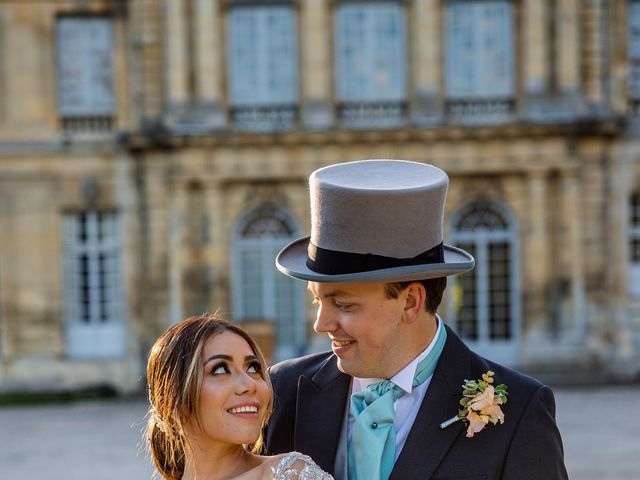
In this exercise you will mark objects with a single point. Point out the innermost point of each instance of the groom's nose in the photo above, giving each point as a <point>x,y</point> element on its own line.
<point>325,320</point>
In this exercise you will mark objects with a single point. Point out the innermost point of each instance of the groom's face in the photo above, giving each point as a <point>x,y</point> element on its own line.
<point>363,325</point>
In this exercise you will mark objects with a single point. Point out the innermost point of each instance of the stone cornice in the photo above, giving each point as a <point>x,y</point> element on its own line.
<point>163,139</point>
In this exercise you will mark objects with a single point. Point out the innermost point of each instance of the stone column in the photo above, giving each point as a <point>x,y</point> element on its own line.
<point>535,55</point>
<point>177,253</point>
<point>209,73</point>
<point>615,246</point>
<point>593,51</point>
<point>567,59</point>
<point>537,253</point>
<point>427,31</point>
<point>177,58</point>
<point>567,47</point>
<point>618,66</point>
<point>572,257</point>
<point>217,251</point>
<point>316,69</point>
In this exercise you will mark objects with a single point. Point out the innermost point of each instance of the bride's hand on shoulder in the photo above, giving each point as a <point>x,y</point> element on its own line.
<point>295,465</point>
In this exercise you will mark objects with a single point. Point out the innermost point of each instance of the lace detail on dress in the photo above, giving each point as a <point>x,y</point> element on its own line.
<point>296,466</point>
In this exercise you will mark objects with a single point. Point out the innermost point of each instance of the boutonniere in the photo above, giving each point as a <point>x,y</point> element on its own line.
<point>480,404</point>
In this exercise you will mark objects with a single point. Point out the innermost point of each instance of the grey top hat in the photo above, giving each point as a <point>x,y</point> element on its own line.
<point>375,221</point>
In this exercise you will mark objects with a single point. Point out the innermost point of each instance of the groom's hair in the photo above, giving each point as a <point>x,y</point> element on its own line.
<point>433,286</point>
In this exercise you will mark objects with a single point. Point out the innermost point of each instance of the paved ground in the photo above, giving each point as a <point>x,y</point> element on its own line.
<point>101,440</point>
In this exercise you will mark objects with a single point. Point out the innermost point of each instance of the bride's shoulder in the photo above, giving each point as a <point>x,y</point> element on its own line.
<point>297,466</point>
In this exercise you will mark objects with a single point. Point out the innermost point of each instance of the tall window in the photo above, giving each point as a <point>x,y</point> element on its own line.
<point>85,73</point>
<point>634,260</point>
<point>94,298</point>
<point>486,303</point>
<point>633,53</point>
<point>370,62</point>
<point>260,292</point>
<point>479,59</point>
<point>263,66</point>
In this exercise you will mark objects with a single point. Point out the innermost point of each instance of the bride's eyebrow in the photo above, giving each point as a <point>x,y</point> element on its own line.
<point>228,358</point>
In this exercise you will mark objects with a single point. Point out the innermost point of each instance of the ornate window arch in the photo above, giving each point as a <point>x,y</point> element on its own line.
<point>259,290</point>
<point>486,301</point>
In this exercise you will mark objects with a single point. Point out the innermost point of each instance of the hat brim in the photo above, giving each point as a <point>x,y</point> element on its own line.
<point>292,262</point>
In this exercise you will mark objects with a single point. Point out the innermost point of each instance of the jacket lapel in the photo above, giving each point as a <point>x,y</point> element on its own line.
<point>320,411</point>
<point>427,441</point>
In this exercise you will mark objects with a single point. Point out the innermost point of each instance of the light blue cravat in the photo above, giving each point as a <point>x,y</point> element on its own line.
<point>372,449</point>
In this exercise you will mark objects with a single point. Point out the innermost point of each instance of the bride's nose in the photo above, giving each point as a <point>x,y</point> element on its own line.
<point>245,384</point>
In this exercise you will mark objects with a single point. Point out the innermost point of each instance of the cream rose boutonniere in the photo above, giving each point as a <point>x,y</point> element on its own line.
<point>480,404</point>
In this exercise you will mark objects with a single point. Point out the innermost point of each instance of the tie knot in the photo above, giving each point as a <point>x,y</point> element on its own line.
<point>377,390</point>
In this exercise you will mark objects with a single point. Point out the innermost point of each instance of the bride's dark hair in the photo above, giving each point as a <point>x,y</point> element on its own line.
<point>174,379</point>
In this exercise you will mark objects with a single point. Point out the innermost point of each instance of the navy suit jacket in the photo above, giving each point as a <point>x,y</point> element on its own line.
<point>310,402</point>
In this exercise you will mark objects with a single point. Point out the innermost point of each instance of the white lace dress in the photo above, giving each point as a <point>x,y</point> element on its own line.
<point>296,466</point>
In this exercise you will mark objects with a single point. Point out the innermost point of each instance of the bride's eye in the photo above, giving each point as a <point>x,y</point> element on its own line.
<point>220,369</point>
<point>254,367</point>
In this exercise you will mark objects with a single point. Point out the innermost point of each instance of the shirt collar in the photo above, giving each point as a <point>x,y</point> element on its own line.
<point>404,378</point>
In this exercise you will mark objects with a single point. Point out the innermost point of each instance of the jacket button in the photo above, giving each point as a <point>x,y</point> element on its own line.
<point>374,425</point>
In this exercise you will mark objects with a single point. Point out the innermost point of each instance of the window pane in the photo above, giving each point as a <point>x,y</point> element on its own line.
<point>93,283</point>
<point>499,291</point>
<point>85,67</point>
<point>251,275</point>
<point>260,291</point>
<point>635,210</point>
<point>262,56</point>
<point>370,52</point>
<point>479,49</point>
<point>465,299</point>
<point>633,49</point>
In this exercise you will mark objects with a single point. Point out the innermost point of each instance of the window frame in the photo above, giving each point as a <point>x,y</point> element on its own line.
<point>269,113</point>
<point>94,308</point>
<point>502,350</point>
<point>360,105</point>
<point>96,110</point>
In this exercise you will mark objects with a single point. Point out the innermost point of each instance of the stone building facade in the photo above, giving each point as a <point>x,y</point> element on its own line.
<point>154,157</point>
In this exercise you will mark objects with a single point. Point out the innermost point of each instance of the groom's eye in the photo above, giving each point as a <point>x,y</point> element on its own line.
<point>343,306</point>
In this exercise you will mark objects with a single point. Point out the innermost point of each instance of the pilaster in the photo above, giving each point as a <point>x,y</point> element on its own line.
<point>315,30</point>
<point>572,257</point>
<point>208,48</point>
<point>426,67</point>
<point>537,248</point>
<point>536,60</point>
<point>177,58</point>
<point>567,97</point>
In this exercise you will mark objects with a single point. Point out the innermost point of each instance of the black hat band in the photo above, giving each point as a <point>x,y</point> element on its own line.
<point>333,262</point>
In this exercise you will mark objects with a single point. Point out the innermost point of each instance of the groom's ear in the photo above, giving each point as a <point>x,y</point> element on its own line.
<point>414,301</point>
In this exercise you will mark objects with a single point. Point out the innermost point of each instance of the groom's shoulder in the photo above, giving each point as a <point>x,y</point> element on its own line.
<point>521,387</point>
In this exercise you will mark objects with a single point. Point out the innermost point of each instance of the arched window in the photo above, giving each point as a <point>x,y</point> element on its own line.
<point>486,301</point>
<point>260,291</point>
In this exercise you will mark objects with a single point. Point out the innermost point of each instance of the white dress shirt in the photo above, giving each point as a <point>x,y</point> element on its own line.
<point>407,406</point>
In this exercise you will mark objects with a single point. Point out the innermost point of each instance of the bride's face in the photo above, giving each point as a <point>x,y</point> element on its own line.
<point>234,395</point>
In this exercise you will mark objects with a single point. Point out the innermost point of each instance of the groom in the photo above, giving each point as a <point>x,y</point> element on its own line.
<point>374,406</point>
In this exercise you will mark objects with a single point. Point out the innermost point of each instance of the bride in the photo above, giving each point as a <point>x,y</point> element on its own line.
<point>210,397</point>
